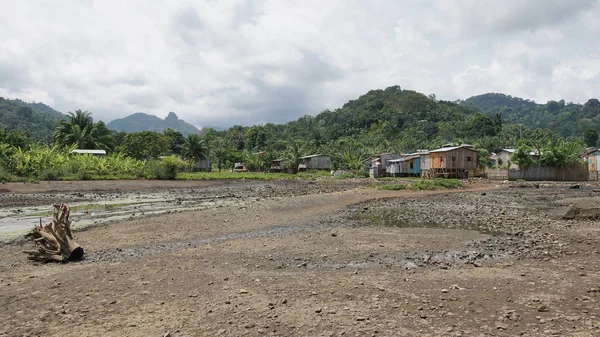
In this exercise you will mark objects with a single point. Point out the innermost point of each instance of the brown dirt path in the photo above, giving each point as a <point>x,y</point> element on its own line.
<point>157,276</point>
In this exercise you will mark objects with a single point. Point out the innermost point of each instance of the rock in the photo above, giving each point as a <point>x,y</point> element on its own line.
<point>319,310</point>
<point>249,325</point>
<point>501,326</point>
<point>477,264</point>
<point>361,318</point>
<point>543,308</point>
<point>243,291</point>
<point>444,290</point>
<point>333,235</point>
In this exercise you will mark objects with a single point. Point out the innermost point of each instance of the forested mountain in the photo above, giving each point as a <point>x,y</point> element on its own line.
<point>390,119</point>
<point>143,122</point>
<point>36,119</point>
<point>566,119</point>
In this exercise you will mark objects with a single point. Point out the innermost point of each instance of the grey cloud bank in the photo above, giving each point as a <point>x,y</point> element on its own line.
<point>256,61</point>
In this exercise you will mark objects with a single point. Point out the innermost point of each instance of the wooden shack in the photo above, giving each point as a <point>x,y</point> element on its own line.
<point>592,159</point>
<point>452,162</point>
<point>202,166</point>
<point>278,165</point>
<point>382,162</point>
<point>315,162</point>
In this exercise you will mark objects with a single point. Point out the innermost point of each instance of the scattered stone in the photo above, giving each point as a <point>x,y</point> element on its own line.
<point>444,290</point>
<point>543,308</point>
<point>501,326</point>
<point>243,291</point>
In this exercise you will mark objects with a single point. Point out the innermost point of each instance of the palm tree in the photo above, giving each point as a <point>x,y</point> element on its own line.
<point>80,130</point>
<point>194,148</point>
<point>293,154</point>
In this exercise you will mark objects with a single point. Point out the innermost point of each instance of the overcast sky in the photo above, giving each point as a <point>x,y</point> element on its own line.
<point>226,62</point>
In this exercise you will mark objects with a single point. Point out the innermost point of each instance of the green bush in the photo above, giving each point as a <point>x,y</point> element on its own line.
<point>392,187</point>
<point>423,185</point>
<point>5,176</point>
<point>165,168</point>
<point>346,176</point>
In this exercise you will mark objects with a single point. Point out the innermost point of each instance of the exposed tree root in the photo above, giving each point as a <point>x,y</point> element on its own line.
<point>55,240</point>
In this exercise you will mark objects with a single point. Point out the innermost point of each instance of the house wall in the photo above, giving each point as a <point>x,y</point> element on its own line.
<point>416,166</point>
<point>387,157</point>
<point>318,163</point>
<point>593,161</point>
<point>443,160</point>
<point>202,165</point>
<point>393,168</point>
<point>425,162</point>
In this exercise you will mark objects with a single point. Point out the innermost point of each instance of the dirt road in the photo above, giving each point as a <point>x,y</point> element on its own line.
<point>322,259</point>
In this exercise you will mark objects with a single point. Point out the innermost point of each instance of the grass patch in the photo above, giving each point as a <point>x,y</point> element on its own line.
<point>346,176</point>
<point>423,185</point>
<point>396,178</point>
<point>392,187</point>
<point>310,175</point>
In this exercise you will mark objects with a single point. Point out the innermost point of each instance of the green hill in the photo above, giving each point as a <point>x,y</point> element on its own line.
<point>144,122</point>
<point>566,119</point>
<point>36,119</point>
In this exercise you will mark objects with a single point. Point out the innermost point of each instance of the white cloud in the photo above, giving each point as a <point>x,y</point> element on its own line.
<point>236,61</point>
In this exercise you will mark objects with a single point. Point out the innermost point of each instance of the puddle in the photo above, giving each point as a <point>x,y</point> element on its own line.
<point>18,221</point>
<point>395,218</point>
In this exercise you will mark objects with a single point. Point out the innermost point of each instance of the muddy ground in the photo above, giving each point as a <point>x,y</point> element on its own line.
<point>325,258</point>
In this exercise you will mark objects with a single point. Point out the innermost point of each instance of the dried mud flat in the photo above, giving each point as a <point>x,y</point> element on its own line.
<point>327,258</point>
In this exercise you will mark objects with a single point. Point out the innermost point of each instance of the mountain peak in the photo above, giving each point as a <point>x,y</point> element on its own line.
<point>143,122</point>
<point>172,117</point>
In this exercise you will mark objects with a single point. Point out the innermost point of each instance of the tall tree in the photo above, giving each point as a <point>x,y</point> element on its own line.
<point>80,130</point>
<point>590,137</point>
<point>194,148</point>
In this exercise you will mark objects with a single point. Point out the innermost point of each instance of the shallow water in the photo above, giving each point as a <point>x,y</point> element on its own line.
<point>15,222</point>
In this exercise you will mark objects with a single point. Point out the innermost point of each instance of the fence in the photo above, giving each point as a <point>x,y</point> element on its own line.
<point>567,173</point>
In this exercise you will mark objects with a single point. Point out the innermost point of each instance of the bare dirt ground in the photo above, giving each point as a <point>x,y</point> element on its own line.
<point>295,258</point>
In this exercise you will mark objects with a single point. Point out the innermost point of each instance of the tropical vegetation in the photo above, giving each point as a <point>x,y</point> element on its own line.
<point>389,120</point>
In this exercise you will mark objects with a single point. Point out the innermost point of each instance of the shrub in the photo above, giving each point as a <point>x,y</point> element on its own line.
<point>392,187</point>
<point>165,168</point>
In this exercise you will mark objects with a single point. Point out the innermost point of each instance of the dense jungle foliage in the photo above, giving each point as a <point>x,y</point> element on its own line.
<point>566,119</point>
<point>390,120</point>
<point>37,119</point>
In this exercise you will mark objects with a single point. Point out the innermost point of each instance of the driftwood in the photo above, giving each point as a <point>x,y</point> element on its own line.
<point>55,241</point>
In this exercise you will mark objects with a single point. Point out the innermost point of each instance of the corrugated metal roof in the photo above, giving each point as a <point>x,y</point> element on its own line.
<point>514,150</point>
<point>411,157</point>
<point>446,149</point>
<point>313,155</point>
<point>88,151</point>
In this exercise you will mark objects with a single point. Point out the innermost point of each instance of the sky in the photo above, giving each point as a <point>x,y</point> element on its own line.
<point>226,62</point>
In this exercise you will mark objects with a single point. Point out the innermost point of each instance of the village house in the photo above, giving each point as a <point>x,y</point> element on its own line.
<point>377,165</point>
<point>455,161</point>
<point>591,156</point>
<point>278,165</point>
<point>413,164</point>
<point>504,157</point>
<point>315,162</point>
<point>202,165</point>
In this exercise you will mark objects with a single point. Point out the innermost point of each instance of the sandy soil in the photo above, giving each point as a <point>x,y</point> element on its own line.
<point>322,259</point>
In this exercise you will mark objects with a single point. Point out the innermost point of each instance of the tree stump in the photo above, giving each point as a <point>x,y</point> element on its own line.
<point>54,241</point>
